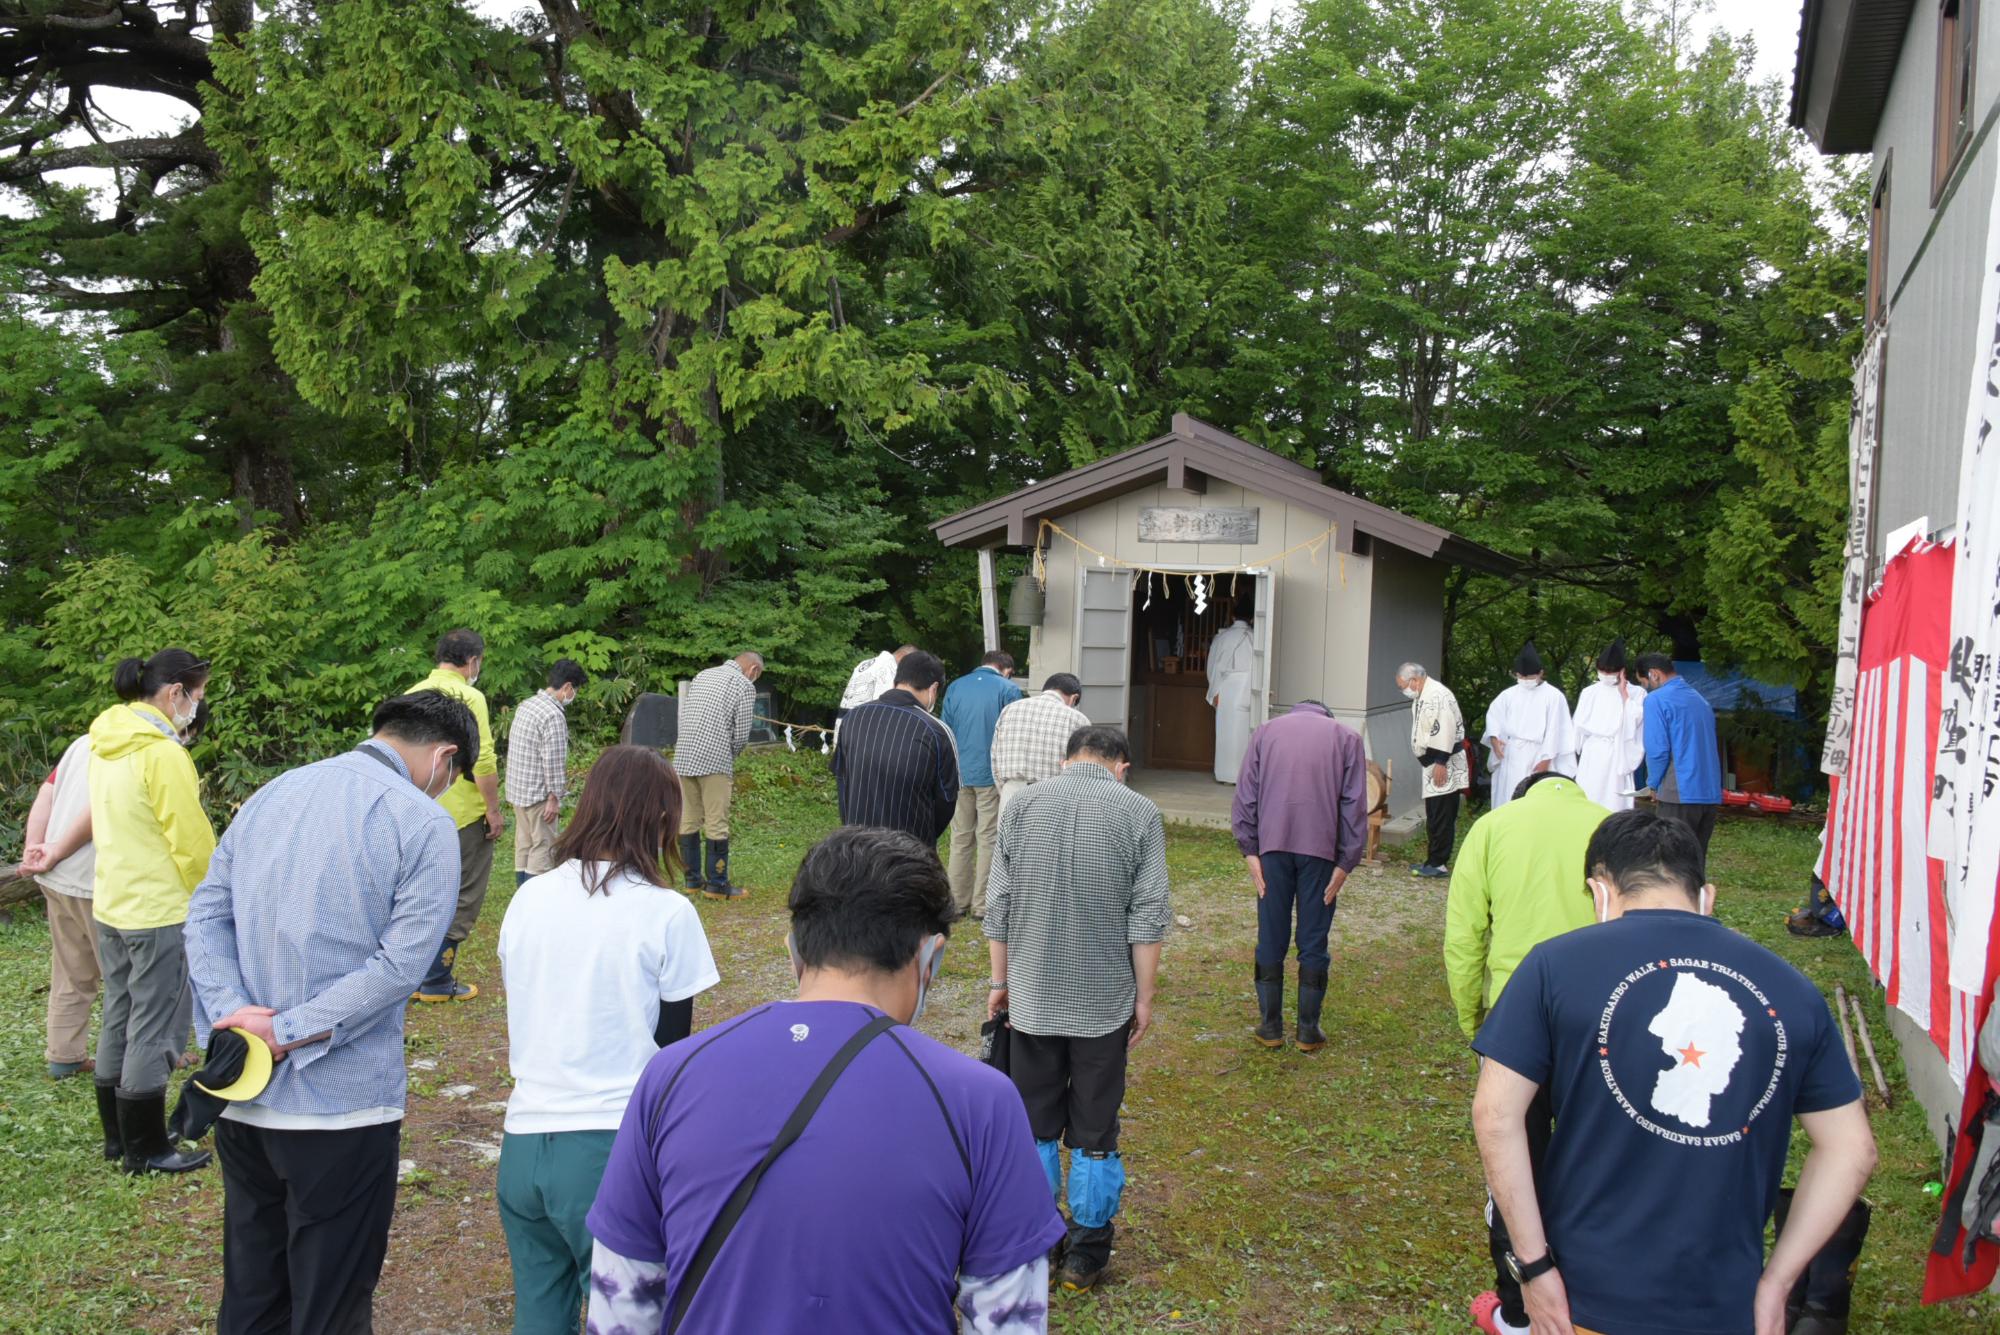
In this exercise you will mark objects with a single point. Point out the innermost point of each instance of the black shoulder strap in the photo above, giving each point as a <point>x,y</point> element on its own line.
<point>957,1141</point>
<point>374,754</point>
<point>739,1200</point>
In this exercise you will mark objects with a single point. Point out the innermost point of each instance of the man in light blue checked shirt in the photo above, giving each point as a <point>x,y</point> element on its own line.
<point>322,908</point>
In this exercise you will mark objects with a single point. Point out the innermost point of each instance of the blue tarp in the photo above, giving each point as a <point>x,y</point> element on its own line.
<point>1729,690</point>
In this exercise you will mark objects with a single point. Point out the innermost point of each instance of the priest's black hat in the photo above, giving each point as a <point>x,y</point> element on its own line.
<point>1528,663</point>
<point>1613,657</point>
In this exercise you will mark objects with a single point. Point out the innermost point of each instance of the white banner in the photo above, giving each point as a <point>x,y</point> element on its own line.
<point>1965,813</point>
<point>1864,428</point>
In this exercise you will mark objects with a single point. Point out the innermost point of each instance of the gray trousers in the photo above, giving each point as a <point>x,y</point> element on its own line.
<point>148,1008</point>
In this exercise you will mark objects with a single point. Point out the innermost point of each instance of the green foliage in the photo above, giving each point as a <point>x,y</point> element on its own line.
<point>644,332</point>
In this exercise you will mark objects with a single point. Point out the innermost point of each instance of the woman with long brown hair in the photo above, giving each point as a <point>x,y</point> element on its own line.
<point>602,959</point>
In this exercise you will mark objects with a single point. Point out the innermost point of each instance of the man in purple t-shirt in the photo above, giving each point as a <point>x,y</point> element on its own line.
<point>912,1191</point>
<point>1301,820</point>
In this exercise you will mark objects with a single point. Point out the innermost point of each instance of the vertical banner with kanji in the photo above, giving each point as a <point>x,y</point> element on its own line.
<point>1965,807</point>
<point>1864,430</point>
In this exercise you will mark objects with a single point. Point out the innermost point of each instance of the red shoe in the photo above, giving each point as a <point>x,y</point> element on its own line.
<point>1483,1309</point>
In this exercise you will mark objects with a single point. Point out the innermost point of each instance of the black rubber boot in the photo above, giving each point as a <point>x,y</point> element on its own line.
<point>715,882</point>
<point>1270,1031</point>
<point>691,862</point>
<point>107,1117</point>
<point>521,878</point>
<point>142,1124</point>
<point>1312,992</point>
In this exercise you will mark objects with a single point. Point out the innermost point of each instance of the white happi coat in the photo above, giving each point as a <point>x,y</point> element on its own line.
<point>1437,725</point>
<point>1610,741</point>
<point>1231,660</point>
<point>1533,721</point>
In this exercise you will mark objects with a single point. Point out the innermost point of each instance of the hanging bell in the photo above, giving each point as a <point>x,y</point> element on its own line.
<point>1026,602</point>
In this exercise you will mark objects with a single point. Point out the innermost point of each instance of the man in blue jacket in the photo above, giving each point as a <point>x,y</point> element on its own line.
<point>972,706</point>
<point>1683,758</point>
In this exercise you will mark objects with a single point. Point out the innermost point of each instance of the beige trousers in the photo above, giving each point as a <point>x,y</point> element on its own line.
<point>73,976</point>
<point>1012,789</point>
<point>534,840</point>
<point>975,826</point>
<point>705,804</point>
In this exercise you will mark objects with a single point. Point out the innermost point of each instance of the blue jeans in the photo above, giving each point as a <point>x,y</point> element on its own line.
<point>1294,878</point>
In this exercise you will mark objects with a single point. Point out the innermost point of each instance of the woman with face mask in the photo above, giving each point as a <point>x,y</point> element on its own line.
<point>153,845</point>
<point>602,958</point>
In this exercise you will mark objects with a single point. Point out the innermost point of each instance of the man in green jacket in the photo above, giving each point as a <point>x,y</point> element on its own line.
<point>1518,881</point>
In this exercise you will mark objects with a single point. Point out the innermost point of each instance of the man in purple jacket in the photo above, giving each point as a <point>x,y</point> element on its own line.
<point>1300,819</point>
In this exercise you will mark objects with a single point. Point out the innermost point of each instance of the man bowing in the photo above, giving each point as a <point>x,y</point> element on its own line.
<point>1527,728</point>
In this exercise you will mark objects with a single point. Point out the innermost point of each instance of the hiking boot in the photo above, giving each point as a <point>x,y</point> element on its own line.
<point>1312,993</point>
<point>1089,1256</point>
<point>1270,1031</point>
<point>1431,872</point>
<point>453,990</point>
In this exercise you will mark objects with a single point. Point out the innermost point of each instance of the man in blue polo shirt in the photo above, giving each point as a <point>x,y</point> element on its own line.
<point>1683,756</point>
<point>1676,1054</point>
<point>972,706</point>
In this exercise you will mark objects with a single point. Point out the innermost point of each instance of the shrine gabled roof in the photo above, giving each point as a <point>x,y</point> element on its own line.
<point>1189,454</point>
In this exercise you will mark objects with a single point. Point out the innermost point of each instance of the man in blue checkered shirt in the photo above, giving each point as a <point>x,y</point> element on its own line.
<point>324,904</point>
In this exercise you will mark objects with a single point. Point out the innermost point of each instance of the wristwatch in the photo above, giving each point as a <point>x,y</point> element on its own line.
<point>1528,1272</point>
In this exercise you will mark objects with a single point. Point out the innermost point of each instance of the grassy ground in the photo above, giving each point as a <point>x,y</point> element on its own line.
<point>1270,1191</point>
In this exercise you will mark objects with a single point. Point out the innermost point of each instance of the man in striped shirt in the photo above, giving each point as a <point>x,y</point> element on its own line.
<point>896,766</point>
<point>1076,908</point>
<point>538,768</point>
<point>716,711</point>
<point>1032,736</point>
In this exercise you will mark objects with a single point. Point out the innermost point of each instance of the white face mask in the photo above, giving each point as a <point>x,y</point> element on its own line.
<point>180,720</point>
<point>1529,683</point>
<point>1610,678</point>
<point>928,959</point>
<point>437,760</point>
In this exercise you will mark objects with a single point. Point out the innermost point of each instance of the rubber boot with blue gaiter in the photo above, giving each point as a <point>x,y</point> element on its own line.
<point>1096,1185</point>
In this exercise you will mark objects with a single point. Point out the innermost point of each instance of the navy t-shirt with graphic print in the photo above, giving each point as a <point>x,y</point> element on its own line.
<point>1676,1053</point>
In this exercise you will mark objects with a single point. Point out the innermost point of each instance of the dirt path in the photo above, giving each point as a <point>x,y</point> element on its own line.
<point>447,1272</point>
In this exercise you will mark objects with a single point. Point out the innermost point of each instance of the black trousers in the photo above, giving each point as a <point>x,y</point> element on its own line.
<point>1441,824</point>
<point>1541,1125</point>
<point>1697,817</point>
<point>305,1225</point>
<point>1072,1086</point>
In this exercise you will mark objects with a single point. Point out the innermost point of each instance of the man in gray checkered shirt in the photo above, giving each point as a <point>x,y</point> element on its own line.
<point>715,715</point>
<point>1032,736</point>
<point>1076,908</point>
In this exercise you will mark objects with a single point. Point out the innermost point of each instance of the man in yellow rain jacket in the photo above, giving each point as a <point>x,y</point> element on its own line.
<point>153,846</point>
<point>473,806</point>
<point>1518,881</point>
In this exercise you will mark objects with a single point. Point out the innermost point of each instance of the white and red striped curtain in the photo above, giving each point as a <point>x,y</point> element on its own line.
<point>1876,860</point>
